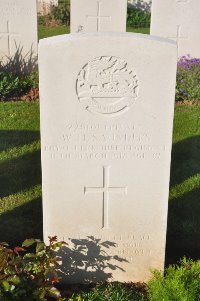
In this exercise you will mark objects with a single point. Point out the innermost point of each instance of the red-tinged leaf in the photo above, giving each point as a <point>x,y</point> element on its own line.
<point>55,280</point>
<point>52,239</point>
<point>18,249</point>
<point>64,243</point>
<point>10,251</point>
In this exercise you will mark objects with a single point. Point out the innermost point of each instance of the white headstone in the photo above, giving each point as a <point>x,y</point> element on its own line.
<point>106,128</point>
<point>45,6</point>
<point>98,15</point>
<point>178,20</point>
<point>18,28</point>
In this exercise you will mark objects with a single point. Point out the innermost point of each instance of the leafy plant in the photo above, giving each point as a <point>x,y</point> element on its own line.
<point>61,12</point>
<point>181,283</point>
<point>14,86</point>
<point>41,20</point>
<point>188,79</point>
<point>138,18</point>
<point>18,75</point>
<point>29,272</point>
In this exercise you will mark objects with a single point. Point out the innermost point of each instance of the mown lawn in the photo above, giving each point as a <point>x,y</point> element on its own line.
<point>44,32</point>
<point>184,203</point>
<point>20,178</point>
<point>20,172</point>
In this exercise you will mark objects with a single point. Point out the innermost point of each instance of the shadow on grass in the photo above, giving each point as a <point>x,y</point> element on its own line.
<point>21,223</point>
<point>16,176</point>
<point>184,227</point>
<point>20,174</point>
<point>23,172</point>
<point>87,260</point>
<point>184,211</point>
<point>11,139</point>
<point>185,160</point>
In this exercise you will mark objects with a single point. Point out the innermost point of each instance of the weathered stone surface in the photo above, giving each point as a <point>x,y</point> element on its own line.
<point>18,28</point>
<point>98,16</point>
<point>106,129</point>
<point>178,20</point>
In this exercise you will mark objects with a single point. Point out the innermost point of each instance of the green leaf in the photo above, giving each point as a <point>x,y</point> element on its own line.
<point>6,286</point>
<point>28,242</point>
<point>29,255</point>
<point>54,293</point>
<point>14,279</point>
<point>40,246</point>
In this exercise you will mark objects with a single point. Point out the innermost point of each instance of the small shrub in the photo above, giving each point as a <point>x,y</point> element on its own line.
<point>137,18</point>
<point>28,273</point>
<point>180,283</point>
<point>188,79</point>
<point>48,20</point>
<point>15,86</point>
<point>42,20</point>
<point>61,12</point>
<point>18,75</point>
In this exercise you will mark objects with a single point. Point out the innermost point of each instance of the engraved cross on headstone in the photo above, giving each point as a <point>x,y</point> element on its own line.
<point>178,37</point>
<point>9,36</point>
<point>98,16</point>
<point>106,190</point>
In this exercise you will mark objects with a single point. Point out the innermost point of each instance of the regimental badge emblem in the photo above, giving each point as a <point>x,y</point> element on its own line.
<point>107,86</point>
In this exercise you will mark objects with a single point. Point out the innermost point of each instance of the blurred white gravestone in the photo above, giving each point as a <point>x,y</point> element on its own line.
<point>178,20</point>
<point>18,29</point>
<point>106,128</point>
<point>98,16</point>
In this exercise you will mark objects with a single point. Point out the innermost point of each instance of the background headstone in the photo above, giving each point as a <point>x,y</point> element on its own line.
<point>44,6</point>
<point>98,16</point>
<point>18,28</point>
<point>106,129</point>
<point>178,20</point>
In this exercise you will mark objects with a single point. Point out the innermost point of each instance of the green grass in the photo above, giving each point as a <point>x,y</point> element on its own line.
<point>20,172</point>
<point>112,292</point>
<point>180,283</point>
<point>45,32</point>
<point>184,203</point>
<point>138,30</point>
<point>20,178</point>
